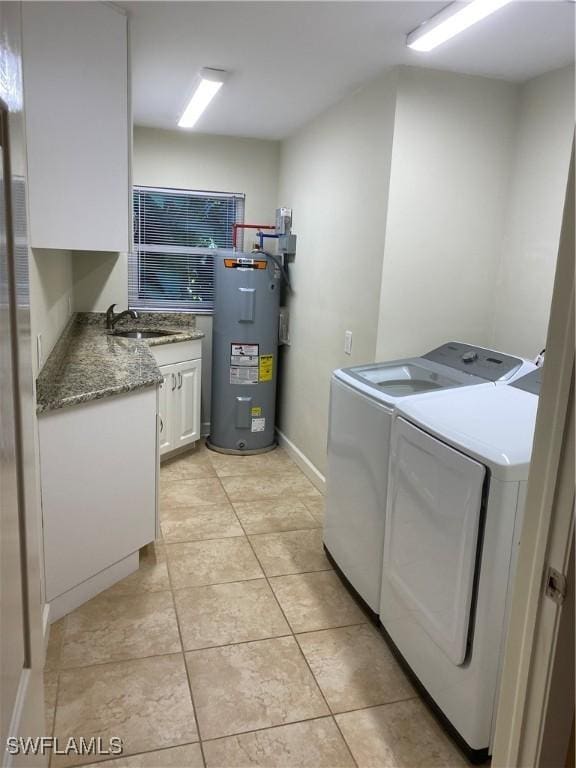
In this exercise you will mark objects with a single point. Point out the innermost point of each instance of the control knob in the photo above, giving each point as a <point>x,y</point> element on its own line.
<point>469,357</point>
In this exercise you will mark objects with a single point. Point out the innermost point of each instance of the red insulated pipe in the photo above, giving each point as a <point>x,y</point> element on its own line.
<point>236,227</point>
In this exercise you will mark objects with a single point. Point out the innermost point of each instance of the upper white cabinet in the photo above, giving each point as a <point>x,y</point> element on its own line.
<point>77,125</point>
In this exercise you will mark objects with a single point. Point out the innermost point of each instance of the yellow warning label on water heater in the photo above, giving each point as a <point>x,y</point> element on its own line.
<point>266,368</point>
<point>256,411</point>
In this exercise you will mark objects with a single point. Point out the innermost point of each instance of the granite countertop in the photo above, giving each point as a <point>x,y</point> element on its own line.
<point>89,363</point>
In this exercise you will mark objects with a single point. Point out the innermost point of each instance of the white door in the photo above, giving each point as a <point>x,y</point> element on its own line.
<point>21,649</point>
<point>13,656</point>
<point>432,527</point>
<point>166,407</point>
<point>187,403</point>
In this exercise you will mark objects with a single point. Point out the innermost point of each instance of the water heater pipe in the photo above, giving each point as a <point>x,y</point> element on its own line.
<point>236,227</point>
<point>262,235</point>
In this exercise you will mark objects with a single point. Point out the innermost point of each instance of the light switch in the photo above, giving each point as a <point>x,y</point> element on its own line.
<point>348,342</point>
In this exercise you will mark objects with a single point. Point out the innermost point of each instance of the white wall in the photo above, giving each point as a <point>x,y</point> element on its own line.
<point>334,174</point>
<point>51,298</point>
<point>196,161</point>
<point>100,279</point>
<point>451,161</point>
<point>221,163</point>
<point>534,213</point>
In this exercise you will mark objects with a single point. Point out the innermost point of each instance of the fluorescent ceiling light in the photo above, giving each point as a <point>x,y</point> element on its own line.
<point>450,21</point>
<point>211,80</point>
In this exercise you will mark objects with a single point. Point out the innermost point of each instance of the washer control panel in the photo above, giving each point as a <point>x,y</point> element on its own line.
<point>485,363</point>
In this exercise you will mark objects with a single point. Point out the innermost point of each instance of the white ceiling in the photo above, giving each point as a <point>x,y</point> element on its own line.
<point>291,60</point>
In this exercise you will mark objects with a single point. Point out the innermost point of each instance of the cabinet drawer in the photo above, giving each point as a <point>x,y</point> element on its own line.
<point>167,354</point>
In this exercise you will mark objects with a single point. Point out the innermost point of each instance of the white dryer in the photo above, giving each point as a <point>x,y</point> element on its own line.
<point>459,463</point>
<point>362,402</point>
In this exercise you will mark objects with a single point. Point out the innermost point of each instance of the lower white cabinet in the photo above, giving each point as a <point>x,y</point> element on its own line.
<point>98,466</point>
<point>179,402</point>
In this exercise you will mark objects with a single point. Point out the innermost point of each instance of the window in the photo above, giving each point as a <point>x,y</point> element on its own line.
<point>175,230</point>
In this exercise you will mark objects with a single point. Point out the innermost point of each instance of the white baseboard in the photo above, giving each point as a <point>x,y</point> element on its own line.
<point>310,470</point>
<point>88,589</point>
<point>205,429</point>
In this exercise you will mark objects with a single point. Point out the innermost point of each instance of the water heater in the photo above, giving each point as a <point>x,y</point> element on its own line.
<point>244,352</point>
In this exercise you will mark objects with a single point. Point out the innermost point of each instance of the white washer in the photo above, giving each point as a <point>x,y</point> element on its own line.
<point>362,402</point>
<point>459,463</point>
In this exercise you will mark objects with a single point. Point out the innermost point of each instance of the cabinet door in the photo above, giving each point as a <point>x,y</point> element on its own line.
<point>187,403</point>
<point>166,407</point>
<point>77,126</point>
<point>111,501</point>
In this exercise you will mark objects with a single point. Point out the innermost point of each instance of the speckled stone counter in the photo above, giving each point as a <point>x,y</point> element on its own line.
<point>88,362</point>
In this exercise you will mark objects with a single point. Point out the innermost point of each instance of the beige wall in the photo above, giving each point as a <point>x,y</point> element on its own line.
<point>196,161</point>
<point>100,279</point>
<point>221,163</point>
<point>534,213</point>
<point>51,298</point>
<point>334,174</point>
<point>451,161</point>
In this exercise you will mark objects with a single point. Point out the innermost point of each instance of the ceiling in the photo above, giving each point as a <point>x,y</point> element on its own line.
<point>291,60</point>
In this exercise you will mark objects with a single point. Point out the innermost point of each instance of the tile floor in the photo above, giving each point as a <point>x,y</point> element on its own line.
<point>235,644</point>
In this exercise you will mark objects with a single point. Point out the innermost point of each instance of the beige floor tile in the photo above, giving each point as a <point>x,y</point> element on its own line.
<point>153,553</point>
<point>274,515</point>
<point>313,601</point>
<point>401,735</point>
<point>196,563</point>
<point>228,613</point>
<point>145,702</point>
<point>252,685</point>
<point>188,493</point>
<point>188,756</point>
<point>211,521</point>
<point>226,465</point>
<point>269,486</point>
<point>114,627</point>
<point>151,576</point>
<point>54,644</point>
<point>187,466</point>
<point>316,507</point>
<point>290,552</point>
<point>50,691</point>
<point>311,744</point>
<point>354,667</point>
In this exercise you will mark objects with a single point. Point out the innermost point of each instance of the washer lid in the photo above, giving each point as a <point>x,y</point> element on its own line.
<point>397,379</point>
<point>492,424</point>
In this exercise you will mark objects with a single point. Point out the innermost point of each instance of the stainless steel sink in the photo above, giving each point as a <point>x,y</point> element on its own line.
<point>144,334</point>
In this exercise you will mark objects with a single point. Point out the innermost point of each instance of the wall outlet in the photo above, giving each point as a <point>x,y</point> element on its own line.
<point>39,350</point>
<point>348,342</point>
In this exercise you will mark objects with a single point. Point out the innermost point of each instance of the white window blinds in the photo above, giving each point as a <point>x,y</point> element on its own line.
<point>175,230</point>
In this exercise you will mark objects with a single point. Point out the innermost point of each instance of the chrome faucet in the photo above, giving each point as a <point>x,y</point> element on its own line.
<point>112,319</point>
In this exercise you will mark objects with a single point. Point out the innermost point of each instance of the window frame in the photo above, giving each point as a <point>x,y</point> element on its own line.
<point>134,275</point>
